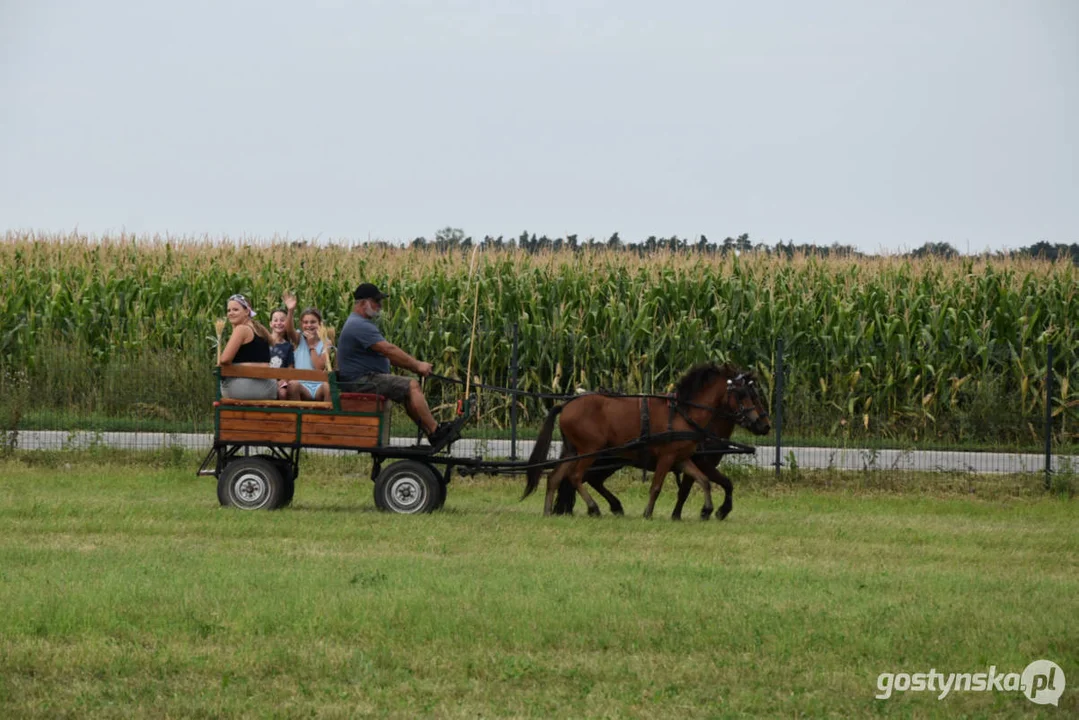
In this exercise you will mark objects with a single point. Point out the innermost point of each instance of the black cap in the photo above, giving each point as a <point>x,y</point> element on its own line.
<point>367,291</point>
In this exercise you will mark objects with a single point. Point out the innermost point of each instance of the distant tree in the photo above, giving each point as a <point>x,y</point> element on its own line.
<point>935,249</point>
<point>449,238</point>
<point>1046,251</point>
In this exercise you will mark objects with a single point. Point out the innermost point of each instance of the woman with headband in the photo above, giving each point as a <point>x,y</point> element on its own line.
<point>248,345</point>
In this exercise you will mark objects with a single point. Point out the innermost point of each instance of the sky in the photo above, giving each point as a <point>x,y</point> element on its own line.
<point>882,125</point>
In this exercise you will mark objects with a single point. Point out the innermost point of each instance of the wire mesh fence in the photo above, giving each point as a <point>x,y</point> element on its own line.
<point>993,423</point>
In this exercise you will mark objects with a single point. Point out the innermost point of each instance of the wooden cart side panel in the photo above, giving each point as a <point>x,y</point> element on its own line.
<point>340,430</point>
<point>271,426</point>
<point>295,426</point>
<point>384,435</point>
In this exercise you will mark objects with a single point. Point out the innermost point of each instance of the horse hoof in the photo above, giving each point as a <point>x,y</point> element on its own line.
<point>676,518</point>
<point>722,514</point>
<point>593,512</point>
<point>617,511</point>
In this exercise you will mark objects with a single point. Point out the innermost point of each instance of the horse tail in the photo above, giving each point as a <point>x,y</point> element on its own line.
<point>539,452</point>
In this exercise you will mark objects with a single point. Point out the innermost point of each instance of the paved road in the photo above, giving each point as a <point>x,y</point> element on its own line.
<point>806,458</point>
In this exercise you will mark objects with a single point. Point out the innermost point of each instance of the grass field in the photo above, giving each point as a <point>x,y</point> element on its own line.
<point>127,592</point>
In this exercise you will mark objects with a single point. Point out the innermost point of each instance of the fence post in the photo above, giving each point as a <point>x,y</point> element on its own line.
<point>777,404</point>
<point>513,397</point>
<point>1049,417</point>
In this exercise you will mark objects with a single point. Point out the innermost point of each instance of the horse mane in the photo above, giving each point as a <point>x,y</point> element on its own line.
<point>700,377</point>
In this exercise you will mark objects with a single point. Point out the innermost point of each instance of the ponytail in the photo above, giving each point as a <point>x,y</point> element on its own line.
<point>262,332</point>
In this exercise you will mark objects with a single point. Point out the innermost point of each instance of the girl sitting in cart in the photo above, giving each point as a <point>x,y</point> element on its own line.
<point>281,350</point>
<point>309,355</point>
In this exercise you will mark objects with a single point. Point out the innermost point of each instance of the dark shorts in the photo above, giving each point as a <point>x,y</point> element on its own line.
<point>395,387</point>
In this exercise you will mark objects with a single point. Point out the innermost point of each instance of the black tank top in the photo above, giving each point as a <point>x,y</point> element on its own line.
<point>256,351</point>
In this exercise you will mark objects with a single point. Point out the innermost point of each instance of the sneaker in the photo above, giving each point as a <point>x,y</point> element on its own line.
<point>440,435</point>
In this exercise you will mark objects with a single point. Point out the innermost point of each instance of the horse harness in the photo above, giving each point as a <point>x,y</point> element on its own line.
<point>674,406</point>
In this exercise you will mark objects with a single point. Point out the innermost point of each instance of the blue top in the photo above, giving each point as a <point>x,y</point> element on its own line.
<point>303,355</point>
<point>354,354</point>
<point>281,355</point>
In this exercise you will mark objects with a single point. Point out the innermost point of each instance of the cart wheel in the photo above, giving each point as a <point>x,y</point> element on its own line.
<point>288,491</point>
<point>288,487</point>
<point>407,487</point>
<point>442,487</point>
<point>251,483</point>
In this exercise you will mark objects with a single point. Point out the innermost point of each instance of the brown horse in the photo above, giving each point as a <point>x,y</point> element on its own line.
<point>744,407</point>
<point>591,424</point>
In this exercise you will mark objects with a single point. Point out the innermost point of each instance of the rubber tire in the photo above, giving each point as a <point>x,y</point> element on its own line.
<point>288,493</point>
<point>251,483</point>
<point>378,500</point>
<point>442,488</point>
<point>285,468</point>
<point>407,487</point>
<point>222,492</point>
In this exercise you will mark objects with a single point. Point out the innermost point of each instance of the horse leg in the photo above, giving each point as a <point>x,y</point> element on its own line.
<point>728,490</point>
<point>684,486</point>
<point>663,466</point>
<point>565,499</point>
<point>553,481</point>
<point>610,497</point>
<point>577,478</point>
<point>695,476</point>
<point>707,507</point>
<point>567,495</point>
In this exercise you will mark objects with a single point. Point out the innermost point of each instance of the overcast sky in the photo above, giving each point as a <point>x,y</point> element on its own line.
<point>881,125</point>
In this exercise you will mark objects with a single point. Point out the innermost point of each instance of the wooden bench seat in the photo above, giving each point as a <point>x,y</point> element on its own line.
<point>301,404</point>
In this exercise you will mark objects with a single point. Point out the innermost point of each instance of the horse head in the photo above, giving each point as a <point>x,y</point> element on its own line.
<point>745,404</point>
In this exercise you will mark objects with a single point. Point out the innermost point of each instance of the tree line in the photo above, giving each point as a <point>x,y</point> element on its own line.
<point>450,239</point>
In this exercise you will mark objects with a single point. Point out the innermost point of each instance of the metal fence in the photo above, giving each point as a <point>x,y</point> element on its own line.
<point>150,404</point>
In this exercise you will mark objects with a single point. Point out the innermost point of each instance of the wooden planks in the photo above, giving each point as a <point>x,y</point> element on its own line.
<point>298,404</point>
<point>252,425</point>
<point>362,402</point>
<point>340,430</point>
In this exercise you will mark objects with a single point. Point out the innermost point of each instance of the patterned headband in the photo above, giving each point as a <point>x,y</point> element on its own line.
<point>243,303</point>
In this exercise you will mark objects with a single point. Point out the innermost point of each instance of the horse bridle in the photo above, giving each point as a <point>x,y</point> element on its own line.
<point>745,383</point>
<point>740,382</point>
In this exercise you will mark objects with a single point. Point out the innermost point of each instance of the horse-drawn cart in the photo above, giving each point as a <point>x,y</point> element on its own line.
<point>256,449</point>
<point>256,452</point>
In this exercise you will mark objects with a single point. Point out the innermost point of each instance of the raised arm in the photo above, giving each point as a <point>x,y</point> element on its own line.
<point>291,333</point>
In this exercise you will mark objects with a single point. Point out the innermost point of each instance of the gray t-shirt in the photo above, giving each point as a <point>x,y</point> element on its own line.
<point>354,354</point>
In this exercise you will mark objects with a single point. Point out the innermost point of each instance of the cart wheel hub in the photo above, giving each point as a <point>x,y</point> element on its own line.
<point>250,487</point>
<point>406,491</point>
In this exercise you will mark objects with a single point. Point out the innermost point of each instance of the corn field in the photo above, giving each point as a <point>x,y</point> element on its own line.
<point>123,327</point>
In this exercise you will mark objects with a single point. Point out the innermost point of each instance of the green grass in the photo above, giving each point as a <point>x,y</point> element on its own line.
<point>128,592</point>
